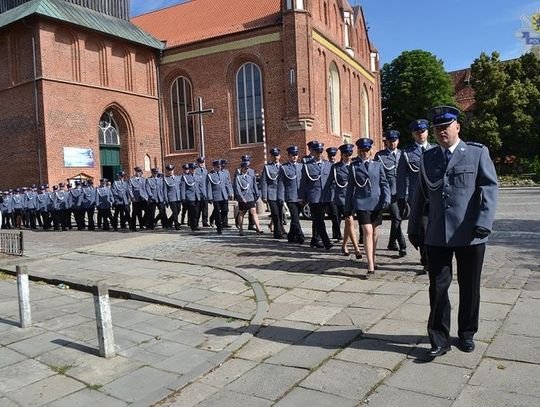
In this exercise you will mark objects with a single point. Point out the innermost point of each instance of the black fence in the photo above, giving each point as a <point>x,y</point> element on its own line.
<point>11,243</point>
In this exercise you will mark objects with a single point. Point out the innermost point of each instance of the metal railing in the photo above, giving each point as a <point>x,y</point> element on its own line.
<point>11,243</point>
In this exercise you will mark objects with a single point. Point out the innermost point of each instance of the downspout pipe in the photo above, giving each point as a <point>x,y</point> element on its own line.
<point>160,110</point>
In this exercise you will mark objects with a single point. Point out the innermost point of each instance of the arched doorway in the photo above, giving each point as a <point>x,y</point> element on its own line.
<point>109,145</point>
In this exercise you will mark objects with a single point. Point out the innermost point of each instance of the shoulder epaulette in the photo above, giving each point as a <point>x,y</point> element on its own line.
<point>430,151</point>
<point>474,143</point>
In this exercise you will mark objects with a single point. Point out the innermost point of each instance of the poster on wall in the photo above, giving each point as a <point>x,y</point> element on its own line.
<point>78,157</point>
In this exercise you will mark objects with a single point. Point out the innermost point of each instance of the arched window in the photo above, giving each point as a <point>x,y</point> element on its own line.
<point>183,135</point>
<point>108,130</point>
<point>365,113</point>
<point>334,99</point>
<point>249,92</point>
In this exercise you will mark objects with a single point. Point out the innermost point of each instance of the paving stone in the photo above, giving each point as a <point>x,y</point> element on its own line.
<point>455,357</point>
<point>406,289</point>
<point>185,337</point>
<point>22,374</point>
<point>191,395</point>
<point>381,301</point>
<point>314,314</point>
<point>303,356</point>
<point>430,378</point>
<point>345,379</point>
<point>515,347</point>
<point>228,372</point>
<point>15,334</point>
<point>485,397</point>
<point>508,377</point>
<point>375,353</point>
<point>360,317</point>
<point>229,398</point>
<point>185,361</point>
<point>493,312</point>
<point>8,357</point>
<point>165,347</point>
<point>410,312</point>
<point>123,317</point>
<point>273,292</point>
<point>359,286</point>
<point>394,331</point>
<point>5,402</point>
<point>386,396</point>
<point>299,296</point>
<point>486,329</point>
<point>219,340</point>
<point>46,390</point>
<point>232,287</point>
<point>222,301</point>
<point>82,332</point>
<point>191,317</point>
<point>322,283</point>
<point>39,344</point>
<point>259,349</point>
<point>256,382</point>
<point>96,370</point>
<point>157,326</point>
<point>287,280</point>
<point>63,322</point>
<point>518,324</point>
<point>192,294</point>
<point>499,296</point>
<point>420,298</point>
<point>138,384</point>
<point>87,397</point>
<point>527,307</point>
<point>125,338</point>
<point>301,397</point>
<point>287,331</point>
<point>281,310</point>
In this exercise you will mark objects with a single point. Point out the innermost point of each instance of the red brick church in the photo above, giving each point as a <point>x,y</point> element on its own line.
<point>85,91</point>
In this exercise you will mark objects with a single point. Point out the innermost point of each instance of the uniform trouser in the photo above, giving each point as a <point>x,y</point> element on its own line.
<point>60,218</point>
<point>421,247</point>
<point>162,216</point>
<point>173,219</point>
<point>17,218</point>
<point>193,213</point>
<point>89,213</point>
<point>123,212</point>
<point>150,214</point>
<point>104,218</point>
<point>137,214</point>
<point>55,219</point>
<point>276,214</point>
<point>336,220</point>
<point>396,233</point>
<point>44,219</point>
<point>469,261</point>
<point>7,220</point>
<point>183,217</point>
<point>219,213</point>
<point>79,217</point>
<point>318,210</point>
<point>31,218</point>
<point>225,215</point>
<point>203,211</point>
<point>295,231</point>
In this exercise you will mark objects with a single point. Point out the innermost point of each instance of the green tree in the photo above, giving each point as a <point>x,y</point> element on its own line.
<point>411,84</point>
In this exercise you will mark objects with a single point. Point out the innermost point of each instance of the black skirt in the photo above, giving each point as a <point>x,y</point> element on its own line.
<point>369,217</point>
<point>246,206</point>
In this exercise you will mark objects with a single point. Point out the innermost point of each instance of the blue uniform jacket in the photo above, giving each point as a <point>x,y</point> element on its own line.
<point>290,175</point>
<point>154,189</point>
<point>42,202</point>
<point>340,180</point>
<point>171,185</point>
<point>88,197</point>
<point>407,171</point>
<point>18,201</point>
<point>269,183</point>
<point>190,188</point>
<point>119,191</point>
<point>137,189</point>
<point>30,201</point>
<point>218,186</point>
<point>367,190</point>
<point>104,197</point>
<point>245,187</point>
<point>7,205</point>
<point>316,183</point>
<point>62,200</point>
<point>461,196</point>
<point>390,163</point>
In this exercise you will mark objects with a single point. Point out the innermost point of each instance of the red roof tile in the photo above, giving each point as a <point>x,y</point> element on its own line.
<point>198,20</point>
<point>464,93</point>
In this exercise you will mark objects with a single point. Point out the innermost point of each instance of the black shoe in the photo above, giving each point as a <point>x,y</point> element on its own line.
<point>437,351</point>
<point>317,245</point>
<point>423,271</point>
<point>466,345</point>
<point>195,229</point>
<point>219,232</point>
<point>329,246</point>
<point>393,247</point>
<point>345,252</point>
<point>358,255</point>
<point>402,253</point>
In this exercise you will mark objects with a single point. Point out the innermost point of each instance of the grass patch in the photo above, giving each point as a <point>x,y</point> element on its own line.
<point>6,277</point>
<point>95,386</point>
<point>61,369</point>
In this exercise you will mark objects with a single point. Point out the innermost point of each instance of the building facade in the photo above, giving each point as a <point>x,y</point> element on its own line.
<point>86,92</point>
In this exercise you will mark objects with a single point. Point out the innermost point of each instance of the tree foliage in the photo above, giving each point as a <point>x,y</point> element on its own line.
<point>411,84</point>
<point>506,115</point>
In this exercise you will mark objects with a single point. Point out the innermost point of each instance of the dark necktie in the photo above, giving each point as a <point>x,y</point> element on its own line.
<point>366,164</point>
<point>423,149</point>
<point>447,156</point>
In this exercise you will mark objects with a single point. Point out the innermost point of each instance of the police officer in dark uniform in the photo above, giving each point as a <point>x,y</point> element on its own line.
<point>138,197</point>
<point>190,191</point>
<point>185,170</point>
<point>89,203</point>
<point>407,174</point>
<point>171,184</point>
<point>271,194</point>
<point>331,209</point>
<point>389,158</point>
<point>219,191</point>
<point>156,199</point>
<point>289,182</point>
<point>202,172</point>
<point>30,206</point>
<point>104,203</point>
<point>459,182</point>
<point>119,189</point>
<point>7,210</point>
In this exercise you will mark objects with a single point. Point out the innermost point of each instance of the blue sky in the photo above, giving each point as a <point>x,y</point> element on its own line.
<point>456,31</point>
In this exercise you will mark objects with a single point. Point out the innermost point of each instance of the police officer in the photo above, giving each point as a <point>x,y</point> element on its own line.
<point>156,200</point>
<point>331,209</point>
<point>389,158</point>
<point>289,184</point>
<point>104,203</point>
<point>18,208</point>
<point>89,203</point>
<point>190,191</point>
<point>271,194</point>
<point>368,195</point>
<point>139,198</point>
<point>185,170</point>
<point>76,204</point>
<point>30,206</point>
<point>225,215</point>
<point>340,181</point>
<point>315,189</point>
<point>202,172</point>
<point>171,184</point>
<point>42,207</point>
<point>7,210</point>
<point>407,174</point>
<point>459,183</point>
<point>219,191</point>
<point>246,193</point>
<point>119,191</point>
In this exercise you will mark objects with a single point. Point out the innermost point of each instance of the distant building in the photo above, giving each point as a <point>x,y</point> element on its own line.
<point>464,93</point>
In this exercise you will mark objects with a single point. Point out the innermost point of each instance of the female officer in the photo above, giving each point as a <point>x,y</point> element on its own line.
<point>367,194</point>
<point>246,193</point>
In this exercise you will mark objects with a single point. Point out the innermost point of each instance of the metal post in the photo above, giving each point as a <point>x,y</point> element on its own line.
<point>24,296</point>
<point>201,123</point>
<point>264,136</point>
<point>104,321</point>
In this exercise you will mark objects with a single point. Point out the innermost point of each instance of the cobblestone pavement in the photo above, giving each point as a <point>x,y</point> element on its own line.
<point>322,336</point>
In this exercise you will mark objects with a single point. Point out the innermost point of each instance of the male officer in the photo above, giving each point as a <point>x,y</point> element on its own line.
<point>76,198</point>
<point>190,191</point>
<point>119,191</point>
<point>315,189</point>
<point>156,199</point>
<point>171,184</point>
<point>331,209</point>
<point>225,220</point>
<point>42,207</point>
<point>459,183</point>
<point>139,198</point>
<point>104,202</point>
<point>270,193</point>
<point>246,158</point>
<point>7,210</point>
<point>389,158</point>
<point>89,203</point>
<point>219,190</point>
<point>30,206</point>
<point>407,174</point>
<point>289,183</point>
<point>185,170</point>
<point>202,172</point>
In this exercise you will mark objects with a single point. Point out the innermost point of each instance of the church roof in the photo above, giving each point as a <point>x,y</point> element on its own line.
<point>71,13</point>
<point>198,20</point>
